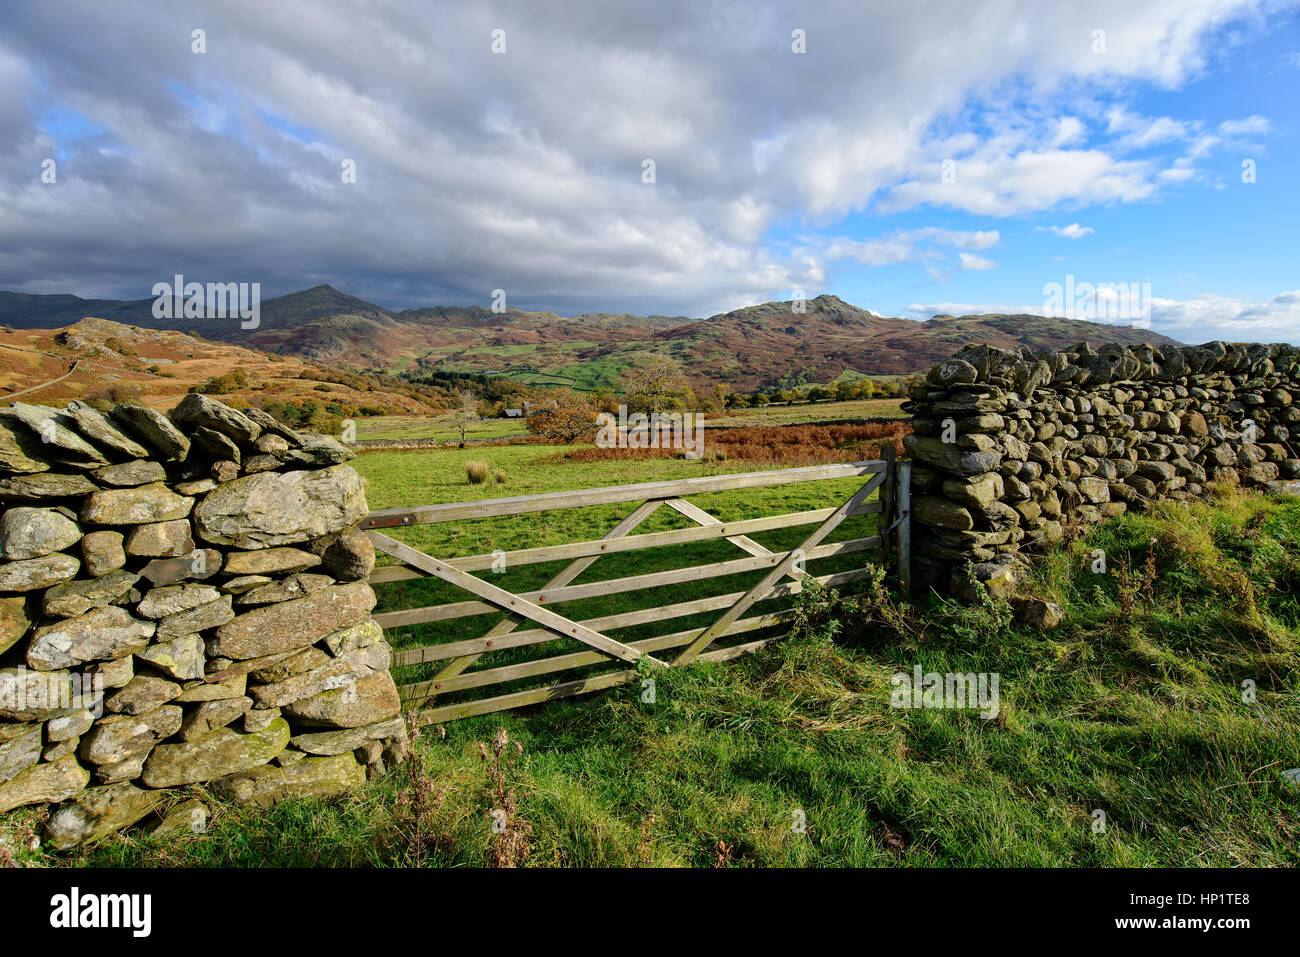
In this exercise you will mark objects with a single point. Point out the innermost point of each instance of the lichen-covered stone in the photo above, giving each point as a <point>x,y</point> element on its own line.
<point>198,619</point>
<point>96,427</point>
<point>153,429</point>
<point>135,506</point>
<point>269,561</point>
<point>102,634</point>
<point>373,698</point>
<point>213,755</point>
<point>286,589</point>
<point>20,748</point>
<point>27,695</point>
<point>293,624</point>
<point>174,599</point>
<point>200,564</point>
<point>320,777</point>
<point>347,739</point>
<point>160,539</point>
<point>44,783</point>
<point>119,737</point>
<point>103,552</point>
<point>131,474</point>
<point>210,715</point>
<point>340,673</point>
<point>56,432</point>
<point>199,411</point>
<point>143,693</point>
<point>35,532</point>
<point>181,658</point>
<point>84,594</point>
<point>46,485</point>
<point>99,811</point>
<point>14,623</point>
<point>350,557</point>
<point>281,508</point>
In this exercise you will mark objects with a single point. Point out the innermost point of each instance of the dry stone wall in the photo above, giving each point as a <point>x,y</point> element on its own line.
<point>1009,448</point>
<point>182,600</point>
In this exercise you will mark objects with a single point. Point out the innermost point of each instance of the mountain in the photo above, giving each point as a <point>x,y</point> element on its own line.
<point>749,348</point>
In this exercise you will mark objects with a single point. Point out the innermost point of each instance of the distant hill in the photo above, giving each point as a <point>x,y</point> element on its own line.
<point>101,359</point>
<point>758,346</point>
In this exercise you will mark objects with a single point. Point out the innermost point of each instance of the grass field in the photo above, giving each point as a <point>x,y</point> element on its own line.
<point>439,427</point>
<point>1133,707</point>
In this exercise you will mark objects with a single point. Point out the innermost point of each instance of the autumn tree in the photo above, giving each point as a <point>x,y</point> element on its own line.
<point>655,383</point>
<point>565,415</point>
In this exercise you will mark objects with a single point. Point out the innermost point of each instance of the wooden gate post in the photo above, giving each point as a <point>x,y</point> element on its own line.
<point>903,534</point>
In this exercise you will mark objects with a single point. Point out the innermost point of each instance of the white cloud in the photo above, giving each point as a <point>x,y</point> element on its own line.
<point>1073,231</point>
<point>1197,319</point>
<point>1250,126</point>
<point>973,262</point>
<point>907,246</point>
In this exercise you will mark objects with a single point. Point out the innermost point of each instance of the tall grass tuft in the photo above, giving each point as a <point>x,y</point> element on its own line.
<point>477,472</point>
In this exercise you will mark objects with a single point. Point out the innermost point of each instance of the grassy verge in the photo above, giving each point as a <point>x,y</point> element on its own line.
<point>1133,707</point>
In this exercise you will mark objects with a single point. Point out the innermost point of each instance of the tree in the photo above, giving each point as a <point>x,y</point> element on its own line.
<point>566,415</point>
<point>465,414</point>
<point>654,383</point>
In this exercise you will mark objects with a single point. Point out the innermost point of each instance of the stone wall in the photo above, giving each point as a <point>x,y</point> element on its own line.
<point>1010,448</point>
<point>182,600</point>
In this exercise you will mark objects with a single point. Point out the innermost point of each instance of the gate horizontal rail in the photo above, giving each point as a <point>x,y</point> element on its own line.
<point>531,620</point>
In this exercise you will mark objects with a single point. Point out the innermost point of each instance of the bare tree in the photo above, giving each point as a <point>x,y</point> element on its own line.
<point>465,414</point>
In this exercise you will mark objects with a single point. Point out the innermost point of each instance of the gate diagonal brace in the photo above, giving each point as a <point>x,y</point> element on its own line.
<point>508,601</point>
<point>571,571</point>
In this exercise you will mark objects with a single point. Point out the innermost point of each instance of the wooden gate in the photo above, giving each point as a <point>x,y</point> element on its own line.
<point>453,666</point>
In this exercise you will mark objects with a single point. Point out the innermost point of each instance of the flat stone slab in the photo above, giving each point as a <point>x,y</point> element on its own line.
<point>100,635</point>
<point>214,755</point>
<point>293,624</point>
<point>281,508</point>
<point>319,777</point>
<point>135,506</point>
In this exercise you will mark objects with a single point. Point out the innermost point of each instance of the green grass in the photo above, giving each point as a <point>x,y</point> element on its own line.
<point>434,427</point>
<point>438,427</point>
<point>1133,706</point>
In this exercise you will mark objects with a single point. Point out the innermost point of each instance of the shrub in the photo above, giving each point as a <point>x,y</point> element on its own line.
<point>476,472</point>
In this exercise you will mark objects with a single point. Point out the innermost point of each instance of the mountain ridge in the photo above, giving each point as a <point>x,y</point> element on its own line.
<point>759,346</point>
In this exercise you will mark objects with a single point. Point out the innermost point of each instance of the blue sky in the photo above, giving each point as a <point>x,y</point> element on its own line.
<point>775,170</point>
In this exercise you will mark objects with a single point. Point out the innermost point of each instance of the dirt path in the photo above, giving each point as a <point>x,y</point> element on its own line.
<point>36,388</point>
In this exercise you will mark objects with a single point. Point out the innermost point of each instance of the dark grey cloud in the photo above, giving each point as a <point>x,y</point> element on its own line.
<point>520,171</point>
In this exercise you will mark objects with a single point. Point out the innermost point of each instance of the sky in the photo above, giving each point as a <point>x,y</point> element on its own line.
<point>678,158</point>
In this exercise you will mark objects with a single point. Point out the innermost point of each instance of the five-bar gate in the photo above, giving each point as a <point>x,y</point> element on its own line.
<point>530,619</point>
